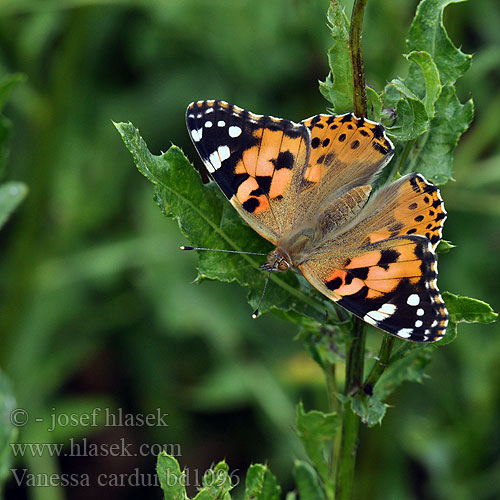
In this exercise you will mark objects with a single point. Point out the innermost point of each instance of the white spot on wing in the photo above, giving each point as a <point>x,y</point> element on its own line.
<point>418,323</point>
<point>224,153</point>
<point>214,160</point>
<point>388,309</point>
<point>197,134</point>
<point>369,319</point>
<point>413,300</point>
<point>208,124</point>
<point>375,316</point>
<point>404,332</point>
<point>221,123</point>
<point>234,131</point>
<point>420,312</point>
<point>382,313</point>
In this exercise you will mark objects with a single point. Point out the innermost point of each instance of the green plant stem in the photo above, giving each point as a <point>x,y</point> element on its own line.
<point>402,159</point>
<point>346,457</point>
<point>381,363</point>
<point>355,358</point>
<point>333,403</point>
<point>346,451</point>
<point>358,72</point>
<point>331,386</point>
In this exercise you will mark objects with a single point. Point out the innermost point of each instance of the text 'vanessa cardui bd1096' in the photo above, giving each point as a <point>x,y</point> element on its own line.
<point>306,188</point>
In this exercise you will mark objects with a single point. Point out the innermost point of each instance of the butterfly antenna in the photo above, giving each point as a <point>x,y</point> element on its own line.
<point>220,250</point>
<point>256,312</point>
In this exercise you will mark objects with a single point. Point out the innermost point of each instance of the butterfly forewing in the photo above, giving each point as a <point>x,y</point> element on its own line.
<point>256,160</point>
<point>346,152</point>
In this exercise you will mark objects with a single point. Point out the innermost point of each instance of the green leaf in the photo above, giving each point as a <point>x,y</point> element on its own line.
<point>8,433</point>
<point>338,86</point>
<point>411,117</point>
<point>370,409</point>
<point>468,310</point>
<point>317,431</point>
<point>325,344</point>
<point>451,120</point>
<point>374,104</point>
<point>307,481</point>
<point>208,220</point>
<point>11,194</point>
<point>261,484</point>
<point>427,93</point>
<point>407,364</point>
<point>465,310</point>
<point>216,483</point>
<point>444,246</point>
<point>427,33</point>
<point>423,79</point>
<point>172,480</point>
<point>417,94</point>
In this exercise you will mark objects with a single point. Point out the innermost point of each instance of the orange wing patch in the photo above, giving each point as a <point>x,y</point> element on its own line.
<point>390,284</point>
<point>345,139</point>
<point>416,208</point>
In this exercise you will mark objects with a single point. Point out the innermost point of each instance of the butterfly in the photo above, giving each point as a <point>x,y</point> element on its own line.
<point>307,188</point>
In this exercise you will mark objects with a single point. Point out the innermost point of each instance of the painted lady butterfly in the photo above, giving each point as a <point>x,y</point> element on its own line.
<point>306,188</point>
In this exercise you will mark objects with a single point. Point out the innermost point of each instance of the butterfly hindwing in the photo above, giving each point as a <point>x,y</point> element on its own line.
<point>414,206</point>
<point>256,160</point>
<point>410,205</point>
<point>391,284</point>
<point>384,255</point>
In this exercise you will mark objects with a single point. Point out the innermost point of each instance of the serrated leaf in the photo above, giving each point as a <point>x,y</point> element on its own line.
<point>8,433</point>
<point>427,33</point>
<point>435,64</point>
<point>172,480</point>
<point>370,409</point>
<point>317,431</point>
<point>411,117</point>
<point>423,79</point>
<point>11,194</point>
<point>374,104</point>
<point>407,364</point>
<point>261,484</point>
<point>207,219</point>
<point>468,310</point>
<point>325,344</point>
<point>338,86</point>
<point>216,483</point>
<point>452,119</point>
<point>307,481</point>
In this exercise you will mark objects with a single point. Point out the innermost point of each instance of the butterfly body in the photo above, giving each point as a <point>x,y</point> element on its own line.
<point>307,188</point>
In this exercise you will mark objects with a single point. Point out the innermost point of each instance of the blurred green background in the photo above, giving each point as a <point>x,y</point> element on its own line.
<point>98,307</point>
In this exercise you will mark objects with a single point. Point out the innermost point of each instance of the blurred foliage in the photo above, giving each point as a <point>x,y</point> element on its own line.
<point>98,307</point>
